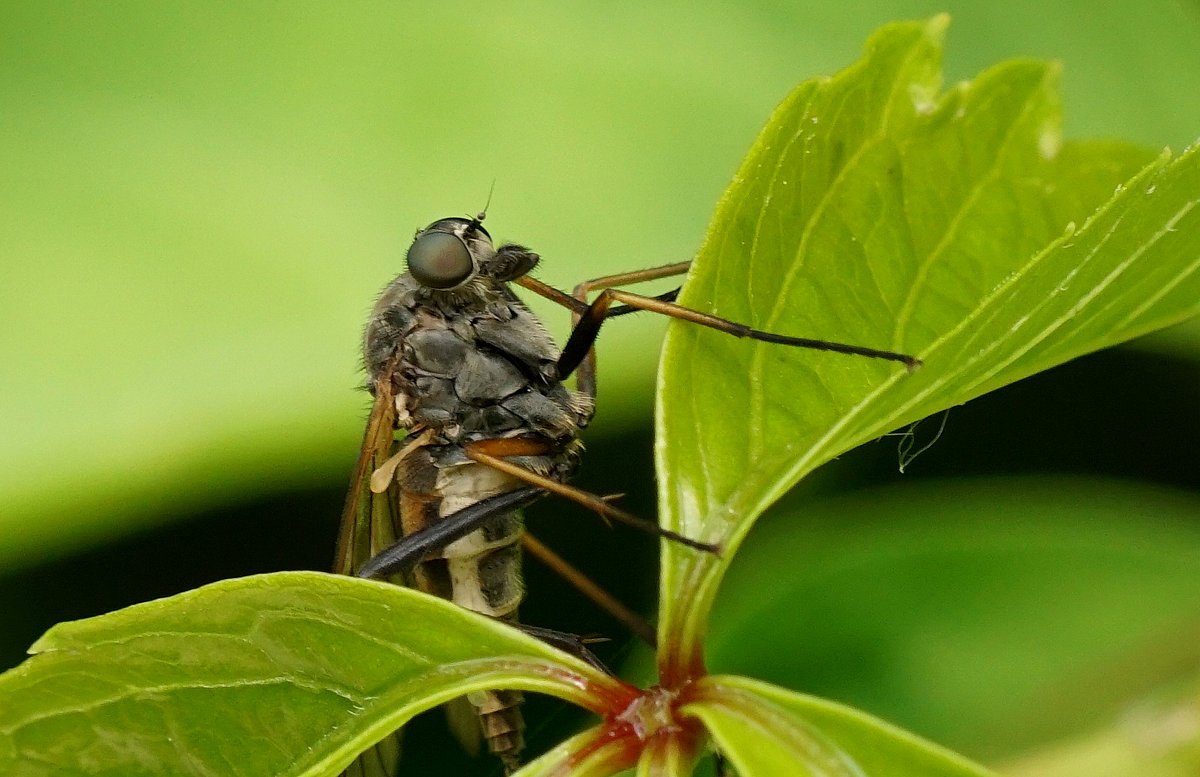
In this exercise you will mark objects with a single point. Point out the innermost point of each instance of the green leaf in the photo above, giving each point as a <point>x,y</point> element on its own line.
<point>767,731</point>
<point>874,211</point>
<point>989,614</point>
<point>1144,740</point>
<point>667,756</point>
<point>285,674</point>
<point>588,754</point>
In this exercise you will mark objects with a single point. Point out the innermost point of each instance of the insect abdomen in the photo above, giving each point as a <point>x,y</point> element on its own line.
<point>481,572</point>
<point>503,724</point>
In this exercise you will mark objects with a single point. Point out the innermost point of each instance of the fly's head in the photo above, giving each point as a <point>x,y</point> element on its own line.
<point>452,254</point>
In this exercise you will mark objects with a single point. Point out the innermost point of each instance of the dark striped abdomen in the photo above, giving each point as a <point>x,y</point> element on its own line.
<point>481,572</point>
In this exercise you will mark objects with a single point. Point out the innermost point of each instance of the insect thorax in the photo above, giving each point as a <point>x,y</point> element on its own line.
<point>469,364</point>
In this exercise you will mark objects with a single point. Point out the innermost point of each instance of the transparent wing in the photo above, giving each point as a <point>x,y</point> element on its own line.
<point>369,522</point>
<point>378,761</point>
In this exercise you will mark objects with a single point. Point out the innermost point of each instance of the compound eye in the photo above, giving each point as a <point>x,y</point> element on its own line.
<point>440,260</point>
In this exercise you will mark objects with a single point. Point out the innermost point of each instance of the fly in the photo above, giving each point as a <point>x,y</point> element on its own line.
<point>459,364</point>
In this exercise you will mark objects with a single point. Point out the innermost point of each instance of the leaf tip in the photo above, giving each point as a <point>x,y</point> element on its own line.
<point>936,26</point>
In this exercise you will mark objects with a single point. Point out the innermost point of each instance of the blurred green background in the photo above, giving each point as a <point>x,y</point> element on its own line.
<point>200,201</point>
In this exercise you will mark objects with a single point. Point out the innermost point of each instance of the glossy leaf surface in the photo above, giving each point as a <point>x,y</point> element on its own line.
<point>286,674</point>
<point>877,211</point>
<point>767,731</point>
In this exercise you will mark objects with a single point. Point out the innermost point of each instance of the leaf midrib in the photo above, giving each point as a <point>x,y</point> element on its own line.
<point>758,357</point>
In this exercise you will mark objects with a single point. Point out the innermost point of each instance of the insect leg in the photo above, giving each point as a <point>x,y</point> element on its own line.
<point>578,356</point>
<point>581,291</point>
<point>402,555</point>
<point>585,332</point>
<point>588,587</point>
<point>484,452</point>
<point>577,303</point>
<point>564,641</point>
<point>409,551</point>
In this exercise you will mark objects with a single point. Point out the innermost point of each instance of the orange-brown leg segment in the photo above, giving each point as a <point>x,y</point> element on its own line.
<point>578,356</point>
<point>585,332</point>
<point>413,548</point>
<point>577,303</point>
<point>484,452</point>
<point>588,587</point>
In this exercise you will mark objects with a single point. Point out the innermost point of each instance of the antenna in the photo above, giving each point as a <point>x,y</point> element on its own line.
<point>481,215</point>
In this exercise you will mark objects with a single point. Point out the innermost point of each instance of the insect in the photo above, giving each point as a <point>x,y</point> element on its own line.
<point>456,361</point>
